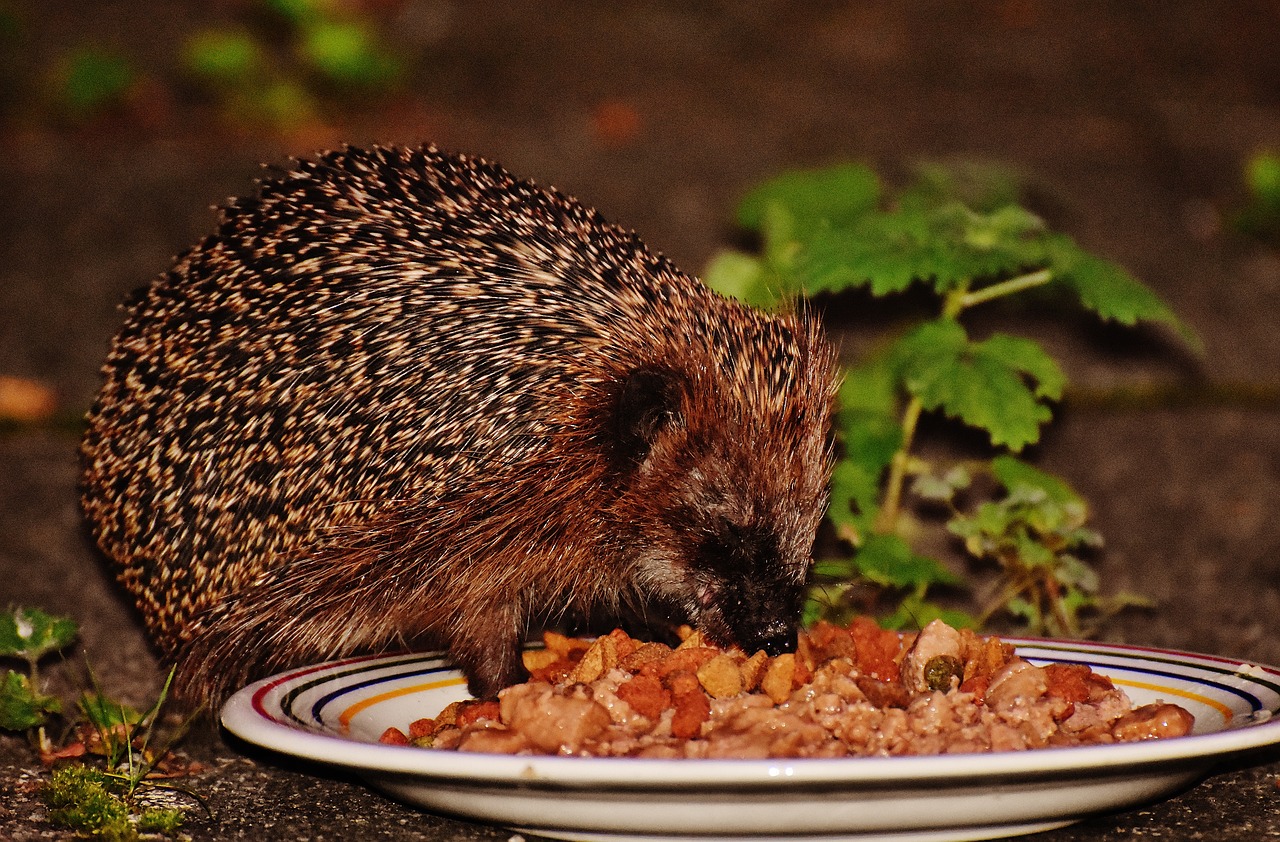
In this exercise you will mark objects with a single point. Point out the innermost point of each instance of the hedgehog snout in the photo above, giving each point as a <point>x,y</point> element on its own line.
<point>750,596</point>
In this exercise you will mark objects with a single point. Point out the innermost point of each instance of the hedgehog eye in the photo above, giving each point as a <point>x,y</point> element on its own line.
<point>648,403</point>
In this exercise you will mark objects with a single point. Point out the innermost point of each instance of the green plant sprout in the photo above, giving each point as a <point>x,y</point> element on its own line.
<point>1260,217</point>
<point>99,801</point>
<point>278,74</point>
<point>93,80</point>
<point>958,233</point>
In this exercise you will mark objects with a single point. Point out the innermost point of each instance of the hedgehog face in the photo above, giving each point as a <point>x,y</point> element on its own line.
<point>728,511</point>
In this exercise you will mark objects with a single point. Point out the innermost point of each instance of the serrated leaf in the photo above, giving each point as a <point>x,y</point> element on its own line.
<point>837,194</point>
<point>1025,357</point>
<point>884,252</point>
<point>1112,293</point>
<point>21,707</point>
<point>946,247</point>
<point>29,633</point>
<point>984,384</point>
<point>887,560</point>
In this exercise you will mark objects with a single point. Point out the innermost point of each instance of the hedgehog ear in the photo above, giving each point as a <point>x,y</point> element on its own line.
<point>647,404</point>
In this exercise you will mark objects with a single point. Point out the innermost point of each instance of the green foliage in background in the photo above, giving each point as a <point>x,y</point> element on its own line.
<point>92,80</point>
<point>960,234</point>
<point>288,56</point>
<point>1260,216</point>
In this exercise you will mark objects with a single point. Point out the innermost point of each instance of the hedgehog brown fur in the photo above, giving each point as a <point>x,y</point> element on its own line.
<point>401,395</point>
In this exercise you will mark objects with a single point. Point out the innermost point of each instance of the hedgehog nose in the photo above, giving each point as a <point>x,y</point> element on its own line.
<point>775,642</point>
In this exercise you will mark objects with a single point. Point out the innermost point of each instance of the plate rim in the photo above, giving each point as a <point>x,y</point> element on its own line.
<point>244,716</point>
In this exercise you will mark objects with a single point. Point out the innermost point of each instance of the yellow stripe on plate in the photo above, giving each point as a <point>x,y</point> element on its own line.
<point>1166,690</point>
<point>344,718</point>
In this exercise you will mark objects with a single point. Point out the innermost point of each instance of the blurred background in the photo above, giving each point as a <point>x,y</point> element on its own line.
<point>1148,131</point>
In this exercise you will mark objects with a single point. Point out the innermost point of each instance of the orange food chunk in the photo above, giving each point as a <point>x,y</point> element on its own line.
<point>421,728</point>
<point>691,710</point>
<point>876,649</point>
<point>538,659</point>
<point>394,737</point>
<point>1068,681</point>
<point>646,654</point>
<point>646,695</point>
<point>473,711</point>
<point>684,659</point>
<point>752,670</point>
<point>624,643</point>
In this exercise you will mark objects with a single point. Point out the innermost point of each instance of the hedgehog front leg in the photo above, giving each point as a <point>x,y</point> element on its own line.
<point>486,641</point>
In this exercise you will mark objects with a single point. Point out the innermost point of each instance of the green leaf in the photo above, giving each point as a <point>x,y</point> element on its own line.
<point>21,707</point>
<point>1112,293</point>
<point>941,489</point>
<point>948,247</point>
<point>1029,612</point>
<point>837,194</point>
<point>871,387</point>
<point>1012,472</point>
<point>888,560</point>
<point>95,79</point>
<point>855,492</point>
<point>347,52</point>
<point>1262,177</point>
<point>981,185</point>
<point>299,13</point>
<point>740,276</point>
<point>30,634</point>
<point>1074,573</point>
<point>916,612</point>
<point>885,252</point>
<point>223,58</point>
<point>984,384</point>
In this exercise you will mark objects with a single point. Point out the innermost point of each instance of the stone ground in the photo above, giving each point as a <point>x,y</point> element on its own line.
<point>1131,121</point>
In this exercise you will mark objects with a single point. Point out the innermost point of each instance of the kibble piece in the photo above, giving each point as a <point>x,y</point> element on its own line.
<point>720,677</point>
<point>777,681</point>
<point>752,670</point>
<point>599,658</point>
<point>537,659</point>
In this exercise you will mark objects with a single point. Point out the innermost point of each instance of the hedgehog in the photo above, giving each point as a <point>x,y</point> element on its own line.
<point>401,397</point>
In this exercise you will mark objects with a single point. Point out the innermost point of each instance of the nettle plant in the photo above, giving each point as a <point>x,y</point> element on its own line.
<point>960,234</point>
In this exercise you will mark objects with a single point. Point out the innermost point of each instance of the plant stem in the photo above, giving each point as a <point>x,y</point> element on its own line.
<point>887,518</point>
<point>1009,287</point>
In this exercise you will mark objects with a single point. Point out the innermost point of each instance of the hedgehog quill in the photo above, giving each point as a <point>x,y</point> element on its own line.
<point>401,395</point>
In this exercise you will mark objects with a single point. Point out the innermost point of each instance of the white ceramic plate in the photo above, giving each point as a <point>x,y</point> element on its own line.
<point>334,713</point>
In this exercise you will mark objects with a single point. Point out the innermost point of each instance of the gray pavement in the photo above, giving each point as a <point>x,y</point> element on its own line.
<point>1131,121</point>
